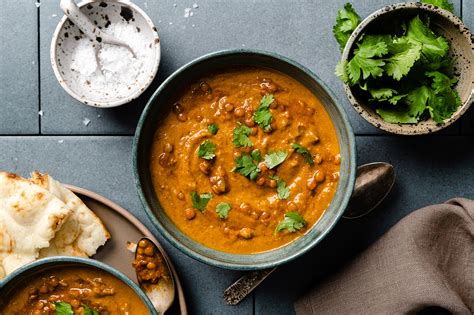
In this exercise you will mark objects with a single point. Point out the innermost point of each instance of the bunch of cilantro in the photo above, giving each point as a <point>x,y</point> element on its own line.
<point>407,74</point>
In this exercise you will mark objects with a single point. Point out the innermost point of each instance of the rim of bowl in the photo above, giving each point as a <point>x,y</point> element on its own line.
<point>404,129</point>
<point>262,265</point>
<point>73,260</point>
<point>138,92</point>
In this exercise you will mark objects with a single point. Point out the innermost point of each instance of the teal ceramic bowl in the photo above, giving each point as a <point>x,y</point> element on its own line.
<point>159,105</point>
<point>22,274</point>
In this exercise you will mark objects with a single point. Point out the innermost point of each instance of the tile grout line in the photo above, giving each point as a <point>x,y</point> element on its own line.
<point>39,66</point>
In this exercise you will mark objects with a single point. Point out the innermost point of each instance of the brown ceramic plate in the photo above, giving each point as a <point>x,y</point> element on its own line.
<point>124,227</point>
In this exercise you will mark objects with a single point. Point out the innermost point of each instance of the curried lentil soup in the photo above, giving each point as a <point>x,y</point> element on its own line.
<point>80,289</point>
<point>246,161</point>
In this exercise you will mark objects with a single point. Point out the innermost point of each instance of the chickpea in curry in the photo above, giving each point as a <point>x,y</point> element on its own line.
<point>80,290</point>
<point>148,264</point>
<point>246,161</point>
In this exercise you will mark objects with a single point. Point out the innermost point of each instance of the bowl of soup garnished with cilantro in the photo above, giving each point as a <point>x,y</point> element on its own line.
<point>244,159</point>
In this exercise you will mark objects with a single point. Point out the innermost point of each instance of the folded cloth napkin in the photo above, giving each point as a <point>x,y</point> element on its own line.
<point>426,260</point>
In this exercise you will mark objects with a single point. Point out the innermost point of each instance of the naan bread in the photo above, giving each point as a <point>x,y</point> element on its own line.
<point>83,232</point>
<point>30,216</point>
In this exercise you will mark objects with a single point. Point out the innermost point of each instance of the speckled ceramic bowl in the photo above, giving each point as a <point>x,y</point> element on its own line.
<point>21,275</point>
<point>461,48</point>
<point>102,13</point>
<point>161,102</point>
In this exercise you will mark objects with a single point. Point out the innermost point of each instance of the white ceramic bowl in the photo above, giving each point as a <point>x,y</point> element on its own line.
<point>67,36</point>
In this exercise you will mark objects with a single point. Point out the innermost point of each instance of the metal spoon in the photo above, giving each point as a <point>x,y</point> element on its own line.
<point>373,183</point>
<point>81,20</point>
<point>162,293</point>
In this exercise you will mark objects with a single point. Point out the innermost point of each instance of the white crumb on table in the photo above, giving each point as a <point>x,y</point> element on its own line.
<point>195,6</point>
<point>187,12</point>
<point>41,113</point>
<point>86,121</point>
<point>37,4</point>
<point>61,141</point>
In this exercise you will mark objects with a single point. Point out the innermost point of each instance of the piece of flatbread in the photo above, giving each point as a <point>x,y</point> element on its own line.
<point>83,232</point>
<point>30,216</point>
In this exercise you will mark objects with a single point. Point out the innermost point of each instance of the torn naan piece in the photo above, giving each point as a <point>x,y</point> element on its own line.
<point>83,232</point>
<point>30,216</point>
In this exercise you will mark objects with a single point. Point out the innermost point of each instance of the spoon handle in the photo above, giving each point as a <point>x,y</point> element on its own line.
<point>82,21</point>
<point>246,284</point>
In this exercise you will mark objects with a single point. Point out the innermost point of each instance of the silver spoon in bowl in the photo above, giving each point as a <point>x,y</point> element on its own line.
<point>373,183</point>
<point>160,288</point>
<point>74,13</point>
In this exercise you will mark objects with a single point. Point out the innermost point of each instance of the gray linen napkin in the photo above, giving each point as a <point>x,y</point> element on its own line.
<point>425,260</point>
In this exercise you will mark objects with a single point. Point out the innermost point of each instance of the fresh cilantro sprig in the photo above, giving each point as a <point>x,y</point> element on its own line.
<point>406,75</point>
<point>63,308</point>
<point>241,136</point>
<point>292,222</point>
<point>246,166</point>
<point>222,210</point>
<point>262,116</point>
<point>89,311</point>
<point>207,150</point>
<point>200,201</point>
<point>274,159</point>
<point>213,128</point>
<point>346,22</point>
<point>304,152</point>
<point>283,191</point>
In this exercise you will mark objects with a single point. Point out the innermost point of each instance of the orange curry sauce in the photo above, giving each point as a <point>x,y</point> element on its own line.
<point>230,99</point>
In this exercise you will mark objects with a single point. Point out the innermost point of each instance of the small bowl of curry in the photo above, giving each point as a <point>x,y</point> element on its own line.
<point>71,285</point>
<point>244,159</point>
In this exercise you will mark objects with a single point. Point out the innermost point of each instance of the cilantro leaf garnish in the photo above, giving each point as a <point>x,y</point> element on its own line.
<point>255,154</point>
<point>89,311</point>
<point>443,4</point>
<point>433,47</point>
<point>275,158</point>
<point>200,201</point>
<point>241,136</point>
<point>292,222</point>
<point>444,100</point>
<point>262,116</point>
<point>246,166</point>
<point>63,308</point>
<point>405,53</point>
<point>346,22</point>
<point>282,190</point>
<point>213,128</point>
<point>222,210</point>
<point>365,63</point>
<point>207,150</point>
<point>304,152</point>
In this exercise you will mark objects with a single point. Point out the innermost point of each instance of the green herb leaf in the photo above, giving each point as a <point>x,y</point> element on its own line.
<point>200,201</point>
<point>434,47</point>
<point>364,62</point>
<point>222,210</point>
<point>405,53</point>
<point>275,158</point>
<point>241,136</point>
<point>262,116</point>
<point>346,22</point>
<point>443,4</point>
<point>444,100</point>
<point>304,152</point>
<point>63,308</point>
<point>207,150</point>
<point>213,128</point>
<point>292,222</point>
<point>255,154</point>
<point>245,166</point>
<point>89,311</point>
<point>341,71</point>
<point>282,190</point>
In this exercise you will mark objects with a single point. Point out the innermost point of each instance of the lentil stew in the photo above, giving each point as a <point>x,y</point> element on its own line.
<point>81,290</point>
<point>246,161</point>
